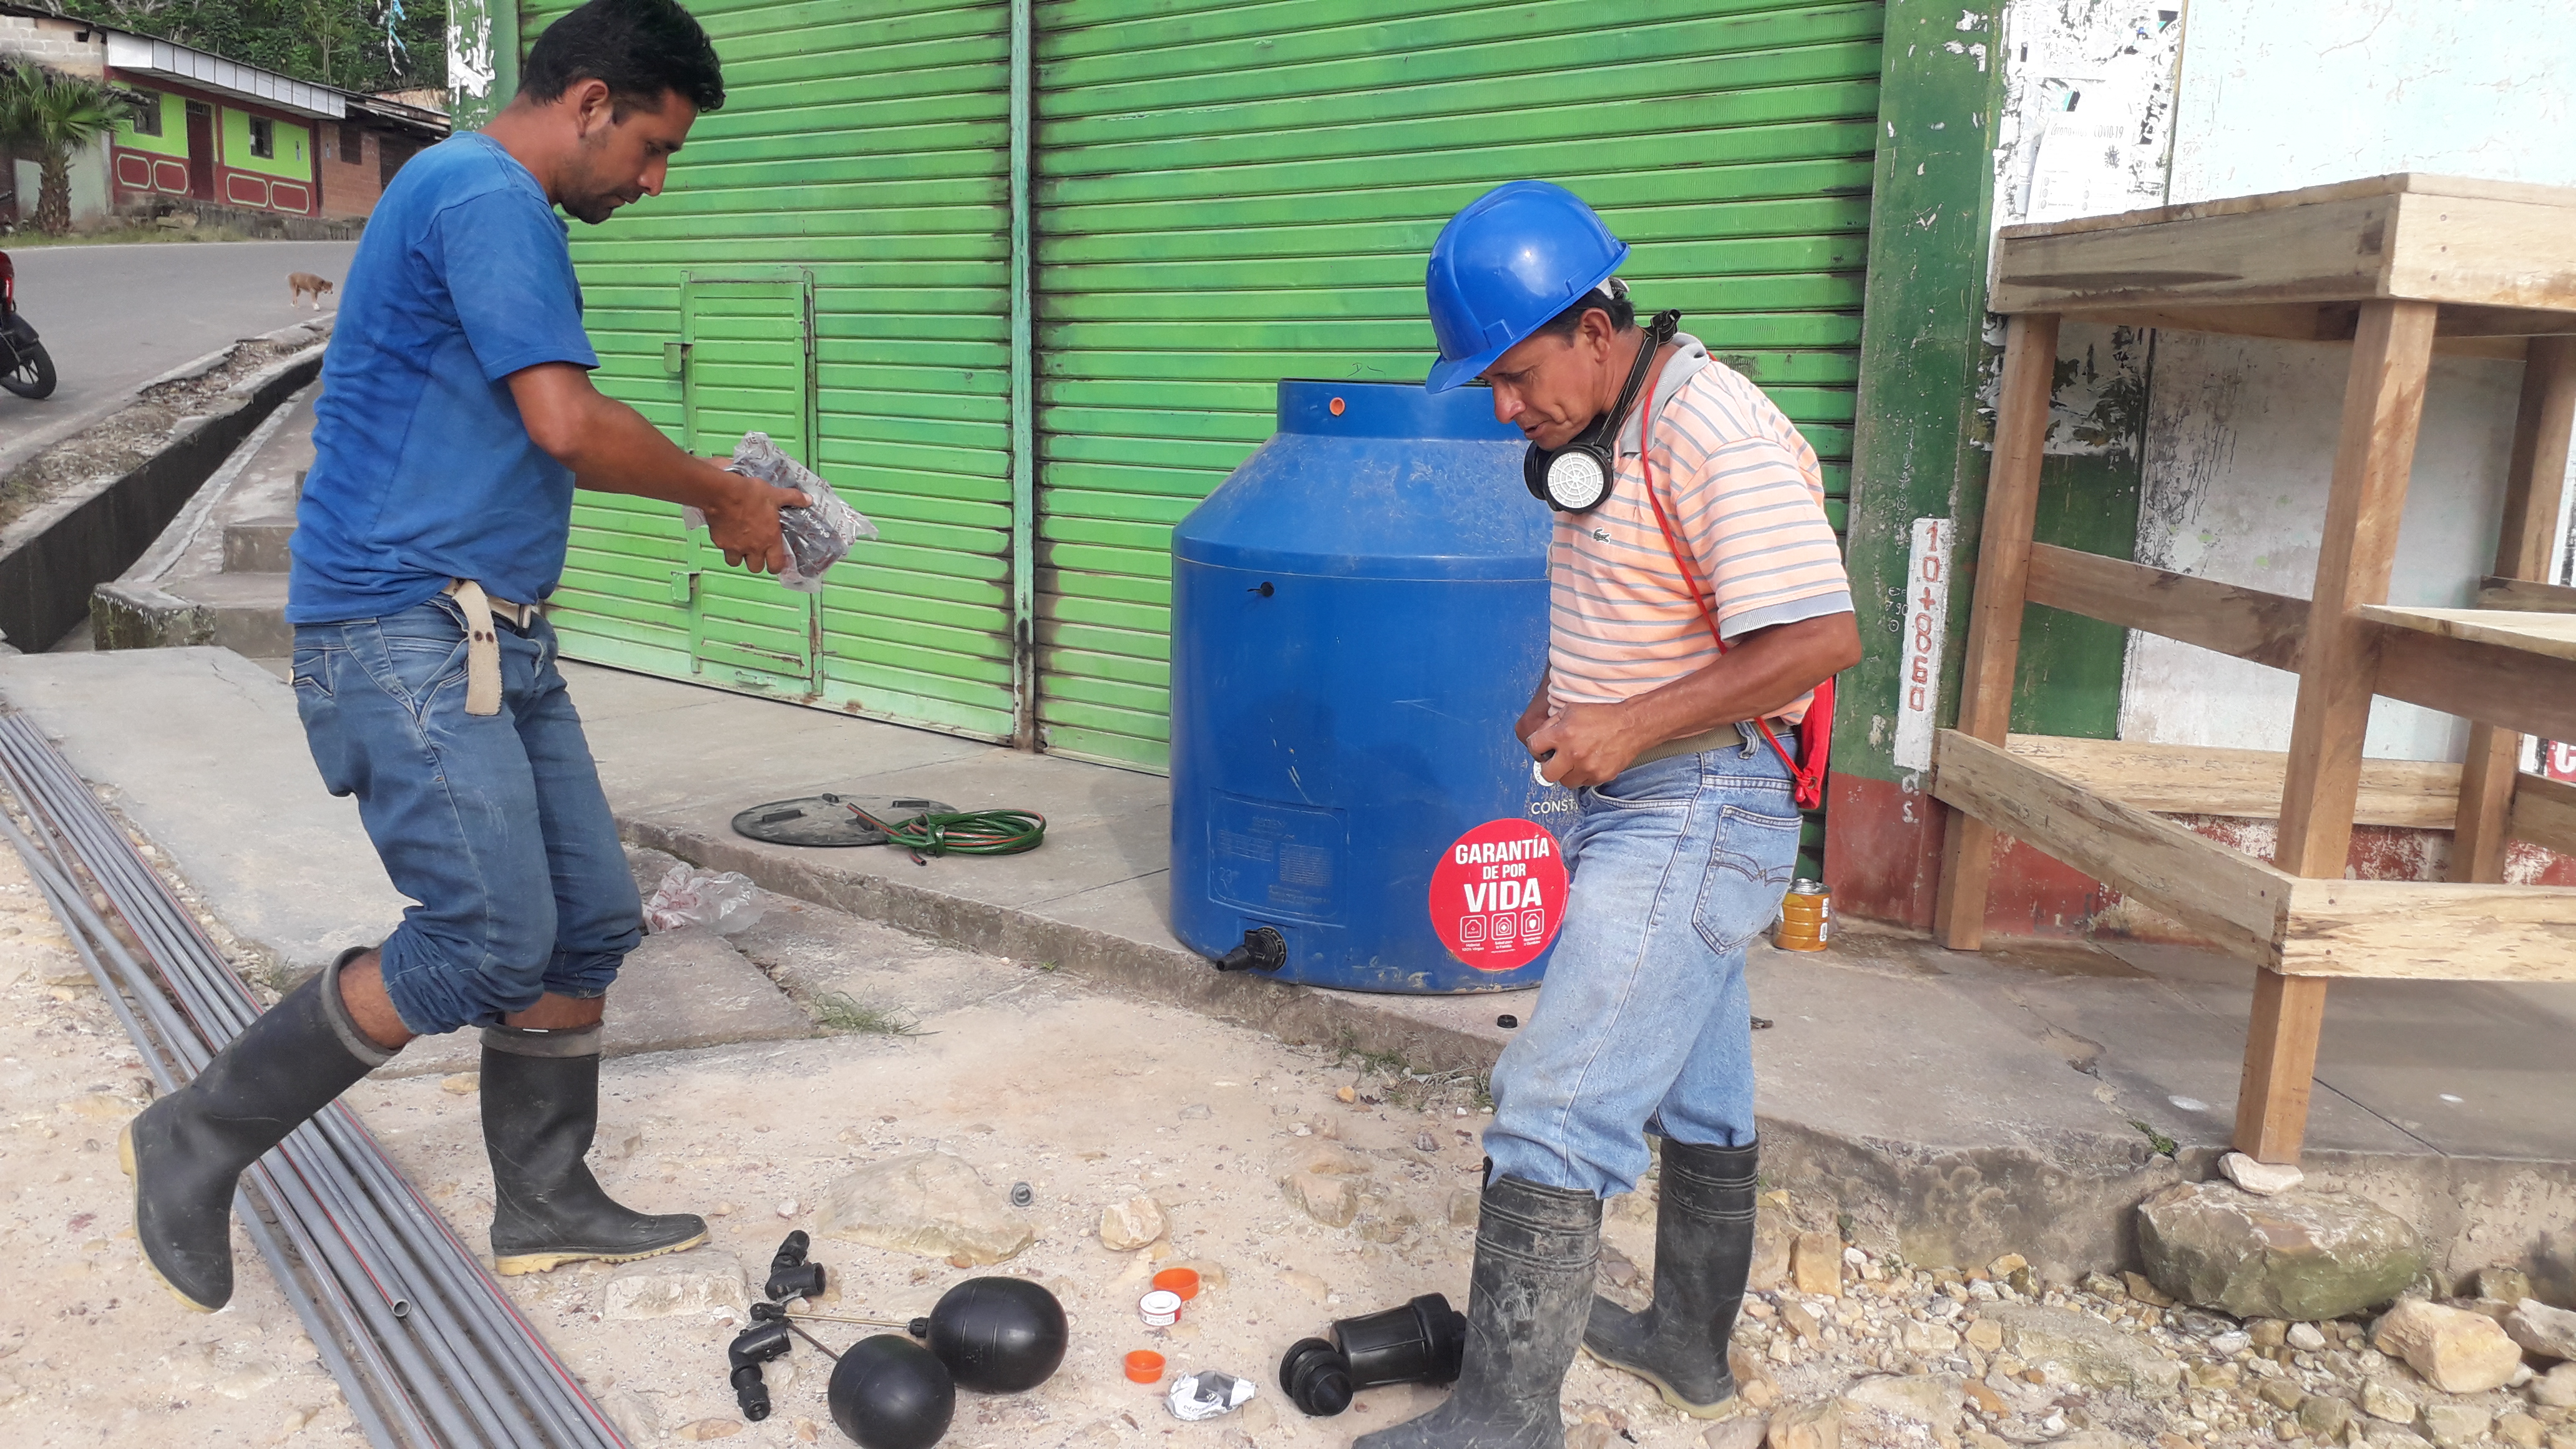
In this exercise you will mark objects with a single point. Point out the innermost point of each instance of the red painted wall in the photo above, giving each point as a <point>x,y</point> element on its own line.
<point>140,175</point>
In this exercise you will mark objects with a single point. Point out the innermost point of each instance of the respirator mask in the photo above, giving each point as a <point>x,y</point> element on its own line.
<point>1576,477</point>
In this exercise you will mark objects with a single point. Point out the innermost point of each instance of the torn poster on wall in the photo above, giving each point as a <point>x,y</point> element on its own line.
<point>2087,123</point>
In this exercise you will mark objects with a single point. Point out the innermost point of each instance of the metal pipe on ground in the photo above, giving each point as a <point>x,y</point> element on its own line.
<point>478,1309</point>
<point>374,1267</point>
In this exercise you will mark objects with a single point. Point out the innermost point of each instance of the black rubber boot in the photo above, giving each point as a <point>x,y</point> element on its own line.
<point>1536,1251</point>
<point>540,1106</point>
<point>1703,1250</point>
<point>186,1152</point>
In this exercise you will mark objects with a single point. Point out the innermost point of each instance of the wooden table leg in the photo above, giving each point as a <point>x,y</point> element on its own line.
<point>2382,407</point>
<point>2280,1065</point>
<point>2540,438</point>
<point>1994,620</point>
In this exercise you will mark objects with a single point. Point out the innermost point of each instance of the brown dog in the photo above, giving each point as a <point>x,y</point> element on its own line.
<point>299,283</point>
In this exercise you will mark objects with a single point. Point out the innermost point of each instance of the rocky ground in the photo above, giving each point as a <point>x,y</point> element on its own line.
<point>1302,1183</point>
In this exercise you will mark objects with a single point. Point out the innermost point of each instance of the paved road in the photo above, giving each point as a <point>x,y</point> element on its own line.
<point>115,317</point>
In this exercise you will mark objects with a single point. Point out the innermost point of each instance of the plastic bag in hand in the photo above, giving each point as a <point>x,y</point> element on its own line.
<point>691,896</point>
<point>818,535</point>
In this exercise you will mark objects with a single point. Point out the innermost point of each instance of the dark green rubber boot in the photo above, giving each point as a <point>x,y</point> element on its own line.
<point>1703,1250</point>
<point>540,1107</point>
<point>187,1151</point>
<point>1536,1251</point>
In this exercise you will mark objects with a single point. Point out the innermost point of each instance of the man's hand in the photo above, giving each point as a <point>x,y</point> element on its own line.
<point>744,523</point>
<point>1586,744</point>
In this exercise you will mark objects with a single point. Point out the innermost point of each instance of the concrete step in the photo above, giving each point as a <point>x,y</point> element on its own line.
<point>243,612</point>
<point>258,545</point>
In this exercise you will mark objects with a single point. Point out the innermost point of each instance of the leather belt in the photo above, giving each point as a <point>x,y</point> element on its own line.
<point>483,641</point>
<point>1724,737</point>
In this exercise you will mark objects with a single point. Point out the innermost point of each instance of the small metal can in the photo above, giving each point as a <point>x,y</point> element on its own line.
<point>1806,917</point>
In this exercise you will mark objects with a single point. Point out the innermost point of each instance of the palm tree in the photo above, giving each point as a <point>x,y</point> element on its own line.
<point>57,115</point>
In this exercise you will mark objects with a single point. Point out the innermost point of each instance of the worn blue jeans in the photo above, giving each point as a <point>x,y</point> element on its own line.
<point>495,825</point>
<point>1642,1023</point>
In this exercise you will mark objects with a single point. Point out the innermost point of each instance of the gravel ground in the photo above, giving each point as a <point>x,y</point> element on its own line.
<point>1304,1184</point>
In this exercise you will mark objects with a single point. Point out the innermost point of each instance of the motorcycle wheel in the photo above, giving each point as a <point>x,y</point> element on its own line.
<point>32,376</point>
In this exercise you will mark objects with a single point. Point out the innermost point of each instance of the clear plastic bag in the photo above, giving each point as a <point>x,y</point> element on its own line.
<point>819,535</point>
<point>691,896</point>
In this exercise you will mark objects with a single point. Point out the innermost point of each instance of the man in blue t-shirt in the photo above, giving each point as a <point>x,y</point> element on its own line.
<point>456,416</point>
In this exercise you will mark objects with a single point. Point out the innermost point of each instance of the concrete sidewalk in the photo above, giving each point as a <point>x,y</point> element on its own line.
<point>1956,1106</point>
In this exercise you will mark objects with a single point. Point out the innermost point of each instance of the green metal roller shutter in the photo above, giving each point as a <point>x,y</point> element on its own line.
<point>1229,194</point>
<point>869,153</point>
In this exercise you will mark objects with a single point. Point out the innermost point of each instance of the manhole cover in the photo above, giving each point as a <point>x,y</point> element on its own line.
<point>829,820</point>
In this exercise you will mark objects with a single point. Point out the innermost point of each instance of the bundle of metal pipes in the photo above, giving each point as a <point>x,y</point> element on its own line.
<point>426,1347</point>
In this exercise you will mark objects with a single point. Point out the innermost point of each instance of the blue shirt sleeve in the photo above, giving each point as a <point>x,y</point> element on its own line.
<point>509,276</point>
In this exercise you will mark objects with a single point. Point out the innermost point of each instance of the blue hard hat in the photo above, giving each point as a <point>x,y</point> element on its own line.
<point>1517,256</point>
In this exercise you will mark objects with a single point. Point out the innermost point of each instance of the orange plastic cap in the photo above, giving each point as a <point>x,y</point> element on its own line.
<point>1182,1281</point>
<point>1145,1366</point>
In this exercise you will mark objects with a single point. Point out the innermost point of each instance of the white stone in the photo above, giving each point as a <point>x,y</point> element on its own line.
<point>1126,1226</point>
<point>929,1203</point>
<point>1744,1432</point>
<point>1925,1398</point>
<point>2306,1337</point>
<point>689,1285</point>
<point>2546,1331</point>
<point>2556,1389</point>
<point>2381,1399</point>
<point>2263,1179</point>
<point>2459,1352</point>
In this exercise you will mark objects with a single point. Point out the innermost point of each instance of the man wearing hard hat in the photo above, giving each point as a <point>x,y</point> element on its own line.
<point>1697,603</point>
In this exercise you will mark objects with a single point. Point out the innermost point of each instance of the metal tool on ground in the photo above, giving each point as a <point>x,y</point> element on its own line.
<point>829,820</point>
<point>427,1350</point>
<point>1421,1342</point>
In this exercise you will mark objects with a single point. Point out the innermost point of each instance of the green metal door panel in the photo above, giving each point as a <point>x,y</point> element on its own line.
<point>864,148</point>
<point>1229,194</point>
<point>747,354</point>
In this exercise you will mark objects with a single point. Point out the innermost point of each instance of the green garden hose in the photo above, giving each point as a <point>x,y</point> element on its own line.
<point>963,832</point>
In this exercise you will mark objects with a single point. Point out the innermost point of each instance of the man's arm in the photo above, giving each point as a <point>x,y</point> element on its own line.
<point>610,448</point>
<point>1764,671</point>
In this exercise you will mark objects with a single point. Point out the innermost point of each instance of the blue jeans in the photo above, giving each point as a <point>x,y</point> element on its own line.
<point>1642,1023</point>
<point>495,824</point>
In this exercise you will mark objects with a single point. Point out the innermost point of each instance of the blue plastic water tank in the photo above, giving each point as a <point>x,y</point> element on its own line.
<point>1358,616</point>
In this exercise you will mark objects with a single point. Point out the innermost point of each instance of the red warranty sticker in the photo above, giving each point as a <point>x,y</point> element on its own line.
<point>1498,895</point>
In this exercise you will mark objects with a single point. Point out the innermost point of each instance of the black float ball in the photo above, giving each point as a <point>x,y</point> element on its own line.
<point>998,1335</point>
<point>889,1392</point>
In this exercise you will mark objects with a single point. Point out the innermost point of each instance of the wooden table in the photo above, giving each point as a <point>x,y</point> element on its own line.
<point>2400,267</point>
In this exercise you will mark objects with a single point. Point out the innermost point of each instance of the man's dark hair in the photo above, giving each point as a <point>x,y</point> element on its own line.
<point>1610,297</point>
<point>641,48</point>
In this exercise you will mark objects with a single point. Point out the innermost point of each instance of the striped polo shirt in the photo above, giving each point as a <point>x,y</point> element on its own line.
<point>1746,499</point>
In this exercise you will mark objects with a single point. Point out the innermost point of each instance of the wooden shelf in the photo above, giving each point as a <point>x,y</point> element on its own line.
<point>2398,267</point>
<point>2205,780</point>
<point>2548,635</point>
<point>2293,925</point>
<point>2497,250</point>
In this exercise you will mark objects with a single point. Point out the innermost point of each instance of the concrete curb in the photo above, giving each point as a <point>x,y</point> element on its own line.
<point>2065,1199</point>
<point>1300,1015</point>
<point>81,541</point>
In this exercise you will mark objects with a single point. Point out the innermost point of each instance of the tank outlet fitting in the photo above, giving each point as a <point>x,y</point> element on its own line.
<point>1263,949</point>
